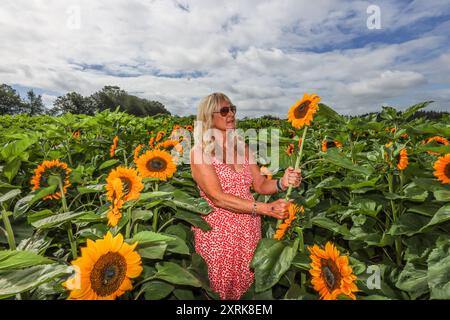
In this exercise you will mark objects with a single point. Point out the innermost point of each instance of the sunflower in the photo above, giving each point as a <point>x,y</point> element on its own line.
<point>438,139</point>
<point>326,144</point>
<point>189,128</point>
<point>442,167</point>
<point>76,134</point>
<point>136,152</point>
<point>402,163</point>
<point>51,168</point>
<point>293,210</point>
<point>291,133</point>
<point>266,172</point>
<point>151,142</point>
<point>131,183</point>
<point>115,195</point>
<point>112,149</point>
<point>331,273</point>
<point>104,270</point>
<point>160,135</point>
<point>156,164</point>
<point>301,113</point>
<point>290,149</point>
<point>169,145</point>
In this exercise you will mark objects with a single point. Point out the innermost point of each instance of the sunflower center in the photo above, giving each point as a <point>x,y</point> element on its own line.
<point>331,275</point>
<point>301,110</point>
<point>330,144</point>
<point>447,170</point>
<point>108,274</point>
<point>126,185</point>
<point>157,164</point>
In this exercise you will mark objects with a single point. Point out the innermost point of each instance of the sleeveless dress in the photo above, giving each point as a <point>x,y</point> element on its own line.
<point>228,248</point>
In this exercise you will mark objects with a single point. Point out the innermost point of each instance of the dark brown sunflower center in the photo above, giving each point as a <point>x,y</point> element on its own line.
<point>301,110</point>
<point>447,170</point>
<point>331,274</point>
<point>331,144</point>
<point>108,274</point>
<point>157,164</point>
<point>54,171</point>
<point>126,185</point>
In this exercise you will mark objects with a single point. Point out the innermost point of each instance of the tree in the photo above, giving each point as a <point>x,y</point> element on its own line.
<point>110,97</point>
<point>74,103</point>
<point>10,101</point>
<point>34,105</point>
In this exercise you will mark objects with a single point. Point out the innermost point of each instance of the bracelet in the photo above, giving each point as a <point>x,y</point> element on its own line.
<point>279,187</point>
<point>254,209</point>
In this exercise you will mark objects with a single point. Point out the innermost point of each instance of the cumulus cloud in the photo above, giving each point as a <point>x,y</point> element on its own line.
<point>263,54</point>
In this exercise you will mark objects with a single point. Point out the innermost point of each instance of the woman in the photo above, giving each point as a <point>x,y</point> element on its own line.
<point>225,184</point>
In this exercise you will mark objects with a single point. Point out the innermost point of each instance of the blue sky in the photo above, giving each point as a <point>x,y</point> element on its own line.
<point>262,54</point>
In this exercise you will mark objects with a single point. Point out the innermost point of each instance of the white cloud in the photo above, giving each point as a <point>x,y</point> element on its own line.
<point>263,54</point>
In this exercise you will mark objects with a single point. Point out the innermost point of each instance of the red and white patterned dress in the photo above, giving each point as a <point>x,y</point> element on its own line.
<point>228,248</point>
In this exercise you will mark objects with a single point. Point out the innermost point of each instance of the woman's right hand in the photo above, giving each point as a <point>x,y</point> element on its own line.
<point>277,209</point>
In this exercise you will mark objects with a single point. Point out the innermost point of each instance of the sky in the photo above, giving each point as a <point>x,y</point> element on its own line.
<point>262,54</point>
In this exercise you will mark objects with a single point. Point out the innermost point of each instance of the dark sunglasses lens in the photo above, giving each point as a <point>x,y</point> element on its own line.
<point>233,108</point>
<point>224,111</point>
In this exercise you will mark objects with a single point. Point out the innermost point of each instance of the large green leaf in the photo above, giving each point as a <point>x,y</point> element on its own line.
<point>193,219</point>
<point>186,202</point>
<point>9,195</point>
<point>414,280</point>
<point>57,220</point>
<point>331,225</point>
<point>11,169</point>
<point>439,270</point>
<point>108,163</point>
<point>442,215</point>
<point>13,282</point>
<point>24,204</point>
<point>157,290</point>
<point>271,260</point>
<point>15,148</point>
<point>335,157</point>
<point>20,259</point>
<point>413,109</point>
<point>95,188</point>
<point>408,224</point>
<point>176,274</point>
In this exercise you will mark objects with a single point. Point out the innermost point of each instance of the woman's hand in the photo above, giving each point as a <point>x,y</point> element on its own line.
<point>277,209</point>
<point>291,177</point>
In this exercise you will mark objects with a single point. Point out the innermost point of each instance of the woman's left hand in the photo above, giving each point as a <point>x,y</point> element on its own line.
<point>291,177</point>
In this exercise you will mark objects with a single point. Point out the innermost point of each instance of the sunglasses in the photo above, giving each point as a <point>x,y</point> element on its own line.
<point>225,110</point>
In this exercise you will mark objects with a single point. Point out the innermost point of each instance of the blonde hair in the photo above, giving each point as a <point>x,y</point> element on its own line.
<point>202,128</point>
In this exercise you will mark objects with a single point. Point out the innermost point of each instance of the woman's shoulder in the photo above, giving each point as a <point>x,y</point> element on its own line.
<point>198,156</point>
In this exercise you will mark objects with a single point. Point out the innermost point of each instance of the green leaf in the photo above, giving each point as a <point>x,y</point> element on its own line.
<point>20,259</point>
<point>139,214</point>
<point>328,224</point>
<point>193,219</point>
<point>414,280</point>
<point>94,188</point>
<point>408,224</point>
<point>176,274</point>
<point>13,282</point>
<point>157,290</point>
<point>15,148</point>
<point>442,215</point>
<point>108,163</point>
<point>57,220</point>
<point>413,109</point>
<point>11,169</point>
<point>329,114</point>
<point>9,195</point>
<point>335,157</point>
<point>24,204</point>
<point>148,237</point>
<point>415,193</point>
<point>153,251</point>
<point>271,260</point>
<point>195,205</point>
<point>439,270</point>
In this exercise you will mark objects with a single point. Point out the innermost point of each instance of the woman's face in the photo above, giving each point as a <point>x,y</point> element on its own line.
<point>224,122</point>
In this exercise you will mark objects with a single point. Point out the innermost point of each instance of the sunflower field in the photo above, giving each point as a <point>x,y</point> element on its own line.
<point>102,207</point>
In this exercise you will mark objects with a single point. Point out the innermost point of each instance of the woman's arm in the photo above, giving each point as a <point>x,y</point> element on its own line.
<point>204,174</point>
<point>261,184</point>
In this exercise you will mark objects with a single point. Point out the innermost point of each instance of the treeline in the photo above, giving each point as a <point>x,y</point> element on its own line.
<point>110,97</point>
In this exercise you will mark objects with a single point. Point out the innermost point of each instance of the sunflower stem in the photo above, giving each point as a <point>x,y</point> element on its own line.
<point>155,220</point>
<point>125,160</point>
<point>128,228</point>
<point>73,246</point>
<point>397,241</point>
<point>165,224</point>
<point>9,230</point>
